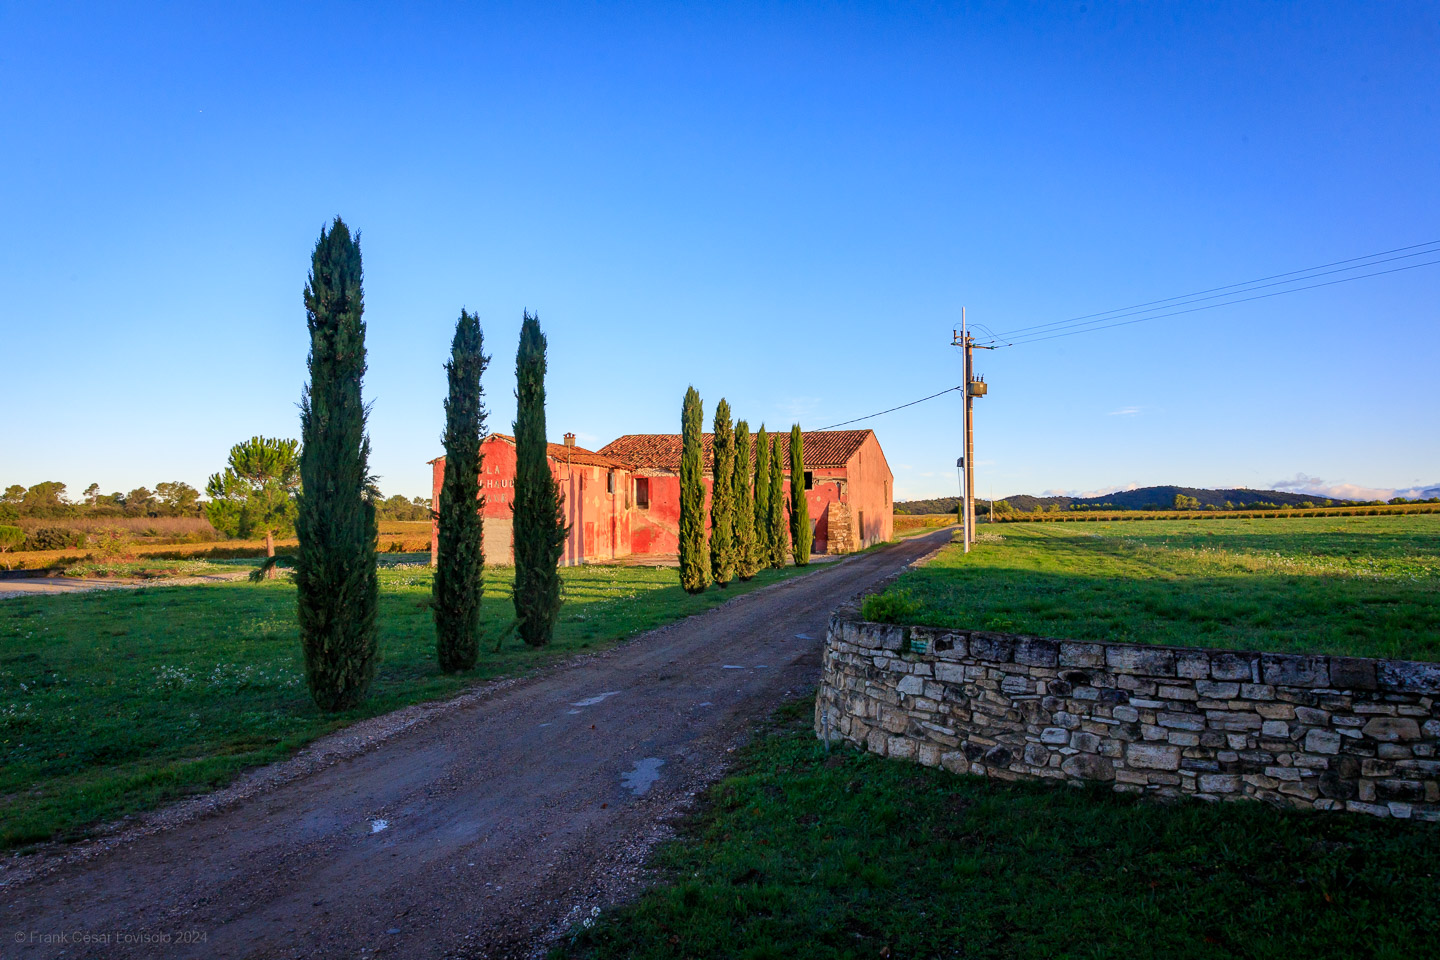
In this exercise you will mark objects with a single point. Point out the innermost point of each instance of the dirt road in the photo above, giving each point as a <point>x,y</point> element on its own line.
<point>477,834</point>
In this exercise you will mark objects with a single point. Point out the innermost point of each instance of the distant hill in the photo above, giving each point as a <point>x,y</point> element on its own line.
<point>1143,498</point>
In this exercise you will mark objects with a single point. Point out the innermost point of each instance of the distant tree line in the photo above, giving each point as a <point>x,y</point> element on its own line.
<point>50,500</point>
<point>1150,498</point>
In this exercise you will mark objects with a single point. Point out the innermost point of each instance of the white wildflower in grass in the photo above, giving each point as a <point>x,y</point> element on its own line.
<point>173,678</point>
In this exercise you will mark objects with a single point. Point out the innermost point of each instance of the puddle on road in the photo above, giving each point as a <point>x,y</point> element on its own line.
<point>803,636</point>
<point>590,702</point>
<point>377,825</point>
<point>639,780</point>
<point>732,666</point>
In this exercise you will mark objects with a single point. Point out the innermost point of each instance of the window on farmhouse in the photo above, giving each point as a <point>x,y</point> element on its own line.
<point>610,482</point>
<point>642,493</point>
<point>809,479</point>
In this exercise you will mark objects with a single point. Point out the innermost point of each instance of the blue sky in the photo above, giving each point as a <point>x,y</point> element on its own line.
<point>786,205</point>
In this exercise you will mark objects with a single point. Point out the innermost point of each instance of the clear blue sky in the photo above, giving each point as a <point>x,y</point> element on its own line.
<point>783,204</point>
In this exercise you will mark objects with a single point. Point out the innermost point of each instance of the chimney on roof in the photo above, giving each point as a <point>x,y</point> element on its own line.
<point>569,439</point>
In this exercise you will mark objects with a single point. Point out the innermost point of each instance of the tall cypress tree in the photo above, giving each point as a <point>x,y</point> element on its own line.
<point>762,498</point>
<point>779,537</point>
<point>747,555</point>
<point>722,497</point>
<point>540,527</point>
<point>694,559</point>
<point>337,589</point>
<point>459,580</point>
<point>800,532</point>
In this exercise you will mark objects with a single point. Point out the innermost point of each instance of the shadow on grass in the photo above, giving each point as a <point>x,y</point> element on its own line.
<point>803,855</point>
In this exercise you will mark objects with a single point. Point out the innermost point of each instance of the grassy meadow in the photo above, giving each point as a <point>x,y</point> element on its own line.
<point>1356,585</point>
<point>800,854</point>
<point>114,701</point>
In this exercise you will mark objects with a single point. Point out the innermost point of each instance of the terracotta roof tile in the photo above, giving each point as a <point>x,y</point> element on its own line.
<point>823,448</point>
<point>562,454</point>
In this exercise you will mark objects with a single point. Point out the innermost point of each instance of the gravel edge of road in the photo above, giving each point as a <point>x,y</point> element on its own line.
<point>19,869</point>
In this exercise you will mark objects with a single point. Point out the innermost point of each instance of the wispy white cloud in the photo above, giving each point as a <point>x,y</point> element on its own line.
<point>1304,483</point>
<point>1102,492</point>
<point>1124,412</point>
<point>800,409</point>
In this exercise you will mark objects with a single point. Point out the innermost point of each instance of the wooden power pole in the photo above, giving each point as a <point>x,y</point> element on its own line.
<point>973,388</point>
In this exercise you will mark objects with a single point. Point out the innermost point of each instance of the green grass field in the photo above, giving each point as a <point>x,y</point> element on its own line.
<point>112,702</point>
<point>1359,586</point>
<point>800,855</point>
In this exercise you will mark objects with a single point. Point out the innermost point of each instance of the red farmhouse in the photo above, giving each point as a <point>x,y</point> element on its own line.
<point>624,501</point>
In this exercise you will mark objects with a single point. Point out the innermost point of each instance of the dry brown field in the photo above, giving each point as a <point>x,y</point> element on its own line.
<point>395,537</point>
<point>177,528</point>
<point>910,522</point>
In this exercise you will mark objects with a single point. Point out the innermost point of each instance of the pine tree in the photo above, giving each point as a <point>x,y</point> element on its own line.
<point>747,555</point>
<point>762,498</point>
<point>459,580</point>
<point>722,497</point>
<point>778,534</point>
<point>336,583</point>
<point>800,532</point>
<point>540,527</point>
<point>694,559</point>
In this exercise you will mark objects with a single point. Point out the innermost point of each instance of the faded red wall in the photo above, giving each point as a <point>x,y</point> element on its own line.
<point>599,521</point>
<point>872,492</point>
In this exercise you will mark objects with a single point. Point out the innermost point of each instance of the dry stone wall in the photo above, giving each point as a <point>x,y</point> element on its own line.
<point>1317,732</point>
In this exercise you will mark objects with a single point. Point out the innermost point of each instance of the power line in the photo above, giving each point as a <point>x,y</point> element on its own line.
<point>1107,315</point>
<point>893,409</point>
<point>1212,306</point>
<point>1247,285</point>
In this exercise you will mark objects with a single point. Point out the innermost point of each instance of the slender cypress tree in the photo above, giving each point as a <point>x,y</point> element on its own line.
<point>337,589</point>
<point>459,580</point>
<point>762,498</point>
<point>747,554</point>
<point>694,559</point>
<point>800,532</point>
<point>778,535</point>
<point>540,527</point>
<point>722,497</point>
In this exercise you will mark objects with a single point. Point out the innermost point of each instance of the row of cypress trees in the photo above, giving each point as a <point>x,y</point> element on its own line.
<point>748,530</point>
<point>539,527</point>
<point>336,580</point>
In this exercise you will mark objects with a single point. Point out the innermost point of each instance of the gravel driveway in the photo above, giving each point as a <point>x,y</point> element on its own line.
<point>477,828</point>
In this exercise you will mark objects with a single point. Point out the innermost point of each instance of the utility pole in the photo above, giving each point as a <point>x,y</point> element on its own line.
<point>973,388</point>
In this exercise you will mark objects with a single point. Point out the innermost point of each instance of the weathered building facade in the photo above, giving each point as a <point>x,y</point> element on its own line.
<point>624,500</point>
<point>595,487</point>
<point>848,487</point>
